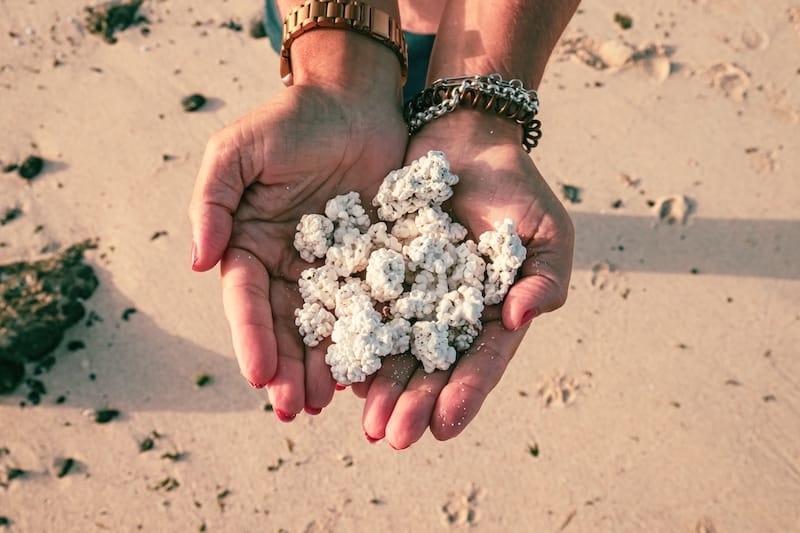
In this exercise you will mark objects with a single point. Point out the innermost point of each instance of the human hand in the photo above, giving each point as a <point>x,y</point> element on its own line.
<point>497,180</point>
<point>330,133</point>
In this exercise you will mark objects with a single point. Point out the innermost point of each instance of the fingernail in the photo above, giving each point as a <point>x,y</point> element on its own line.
<point>529,315</point>
<point>339,386</point>
<point>395,448</point>
<point>370,439</point>
<point>312,410</point>
<point>256,385</point>
<point>194,254</point>
<point>283,416</point>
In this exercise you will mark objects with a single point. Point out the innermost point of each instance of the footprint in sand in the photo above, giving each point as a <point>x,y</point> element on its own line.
<point>461,508</point>
<point>561,389</point>
<point>781,104</point>
<point>731,79</point>
<point>603,273</point>
<point>793,14</point>
<point>755,39</point>
<point>704,525</point>
<point>762,162</point>
<point>652,59</point>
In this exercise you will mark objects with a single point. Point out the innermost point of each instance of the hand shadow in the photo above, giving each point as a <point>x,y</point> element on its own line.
<point>127,362</point>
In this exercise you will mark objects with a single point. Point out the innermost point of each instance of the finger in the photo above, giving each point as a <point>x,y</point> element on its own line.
<point>387,385</point>
<point>476,373</point>
<point>217,192</point>
<point>543,286</point>
<point>319,381</point>
<point>245,299</point>
<point>361,388</point>
<point>287,387</point>
<point>412,412</point>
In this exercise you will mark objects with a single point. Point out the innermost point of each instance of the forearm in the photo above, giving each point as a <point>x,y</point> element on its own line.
<point>513,37</point>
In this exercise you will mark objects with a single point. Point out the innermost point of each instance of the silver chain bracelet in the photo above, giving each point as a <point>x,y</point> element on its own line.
<point>490,93</point>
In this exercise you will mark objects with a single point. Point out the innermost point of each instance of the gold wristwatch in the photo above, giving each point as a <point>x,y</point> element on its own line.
<point>344,14</point>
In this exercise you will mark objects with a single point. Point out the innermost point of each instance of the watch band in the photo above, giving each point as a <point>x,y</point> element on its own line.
<point>343,14</point>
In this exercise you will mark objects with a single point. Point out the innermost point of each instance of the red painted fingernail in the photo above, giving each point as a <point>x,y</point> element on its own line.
<point>194,254</point>
<point>370,439</point>
<point>396,448</point>
<point>283,416</point>
<point>529,315</point>
<point>312,410</point>
<point>257,385</point>
<point>339,386</point>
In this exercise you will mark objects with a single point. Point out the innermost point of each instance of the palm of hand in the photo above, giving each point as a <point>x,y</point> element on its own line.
<point>497,181</point>
<point>258,177</point>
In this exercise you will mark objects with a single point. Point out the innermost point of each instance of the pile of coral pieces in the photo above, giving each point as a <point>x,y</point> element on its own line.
<point>416,284</point>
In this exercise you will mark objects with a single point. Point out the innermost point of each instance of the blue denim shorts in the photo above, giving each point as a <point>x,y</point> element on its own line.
<point>419,50</point>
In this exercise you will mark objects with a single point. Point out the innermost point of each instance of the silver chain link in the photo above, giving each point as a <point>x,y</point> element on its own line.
<point>507,98</point>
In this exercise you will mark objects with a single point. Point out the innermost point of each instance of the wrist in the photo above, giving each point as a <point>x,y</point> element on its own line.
<point>351,63</point>
<point>473,127</point>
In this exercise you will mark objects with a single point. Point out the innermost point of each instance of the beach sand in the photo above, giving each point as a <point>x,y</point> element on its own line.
<point>664,396</point>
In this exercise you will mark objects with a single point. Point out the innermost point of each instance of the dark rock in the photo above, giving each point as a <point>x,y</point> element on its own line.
<point>11,374</point>
<point>193,102</point>
<point>257,29</point>
<point>40,301</point>
<point>104,416</point>
<point>571,193</point>
<point>12,213</point>
<point>63,465</point>
<point>31,167</point>
<point>107,19</point>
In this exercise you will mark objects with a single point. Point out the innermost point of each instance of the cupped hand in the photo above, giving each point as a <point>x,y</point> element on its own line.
<point>257,178</point>
<point>498,179</point>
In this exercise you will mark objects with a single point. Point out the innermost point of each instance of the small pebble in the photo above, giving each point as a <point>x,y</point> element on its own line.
<point>31,167</point>
<point>104,416</point>
<point>193,102</point>
<point>203,379</point>
<point>572,193</point>
<point>63,465</point>
<point>74,346</point>
<point>257,29</point>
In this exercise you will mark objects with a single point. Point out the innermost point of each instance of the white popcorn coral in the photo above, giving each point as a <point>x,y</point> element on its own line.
<point>506,253</point>
<point>414,304</point>
<point>469,269</point>
<point>425,286</point>
<point>315,322</point>
<point>359,338</point>
<point>461,338</point>
<point>314,236</point>
<point>350,254</point>
<point>381,238</point>
<point>352,296</point>
<point>431,220</point>
<point>405,229</point>
<point>319,285</point>
<point>424,182</point>
<point>460,307</point>
<point>347,212</point>
<point>385,274</point>
<point>430,345</point>
<point>431,253</point>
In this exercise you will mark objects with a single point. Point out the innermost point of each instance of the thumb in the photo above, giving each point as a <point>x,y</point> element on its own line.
<point>217,193</point>
<point>543,288</point>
